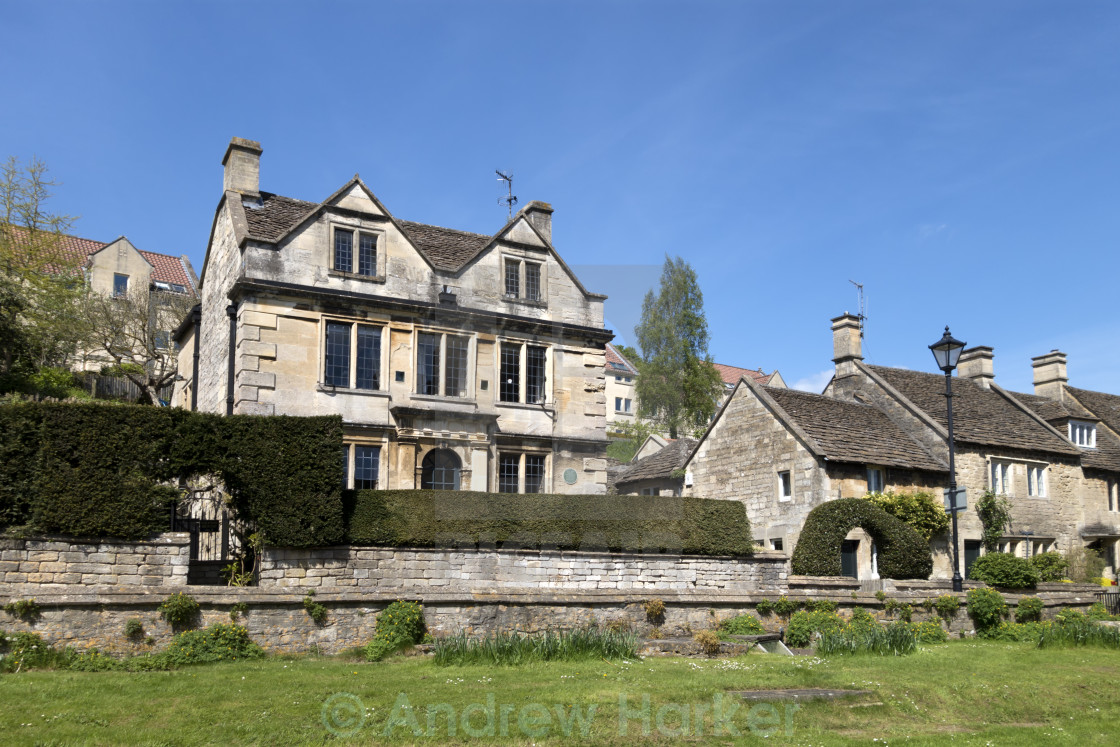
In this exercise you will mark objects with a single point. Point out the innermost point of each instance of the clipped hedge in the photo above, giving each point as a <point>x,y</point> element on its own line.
<point>902,551</point>
<point>431,518</point>
<point>106,470</point>
<point>1005,570</point>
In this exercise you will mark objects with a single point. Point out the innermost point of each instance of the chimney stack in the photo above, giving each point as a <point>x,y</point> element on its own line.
<point>977,364</point>
<point>847,347</point>
<point>540,215</point>
<point>1050,375</point>
<point>242,167</point>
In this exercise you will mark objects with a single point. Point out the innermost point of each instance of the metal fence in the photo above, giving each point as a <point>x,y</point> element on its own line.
<point>1110,600</point>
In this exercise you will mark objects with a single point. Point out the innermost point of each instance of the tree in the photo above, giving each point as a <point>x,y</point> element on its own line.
<point>132,336</point>
<point>40,283</point>
<point>677,386</point>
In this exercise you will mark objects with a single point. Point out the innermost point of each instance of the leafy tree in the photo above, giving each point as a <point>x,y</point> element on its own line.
<point>40,283</point>
<point>677,386</point>
<point>920,510</point>
<point>626,439</point>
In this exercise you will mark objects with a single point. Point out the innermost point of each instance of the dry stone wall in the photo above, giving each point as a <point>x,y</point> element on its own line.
<point>46,563</point>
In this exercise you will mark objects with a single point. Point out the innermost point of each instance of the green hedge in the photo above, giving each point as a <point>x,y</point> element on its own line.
<point>105,470</point>
<point>1006,570</point>
<point>430,518</point>
<point>902,551</point>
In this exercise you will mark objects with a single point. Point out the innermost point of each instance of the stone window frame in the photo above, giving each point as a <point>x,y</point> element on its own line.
<point>469,394</point>
<point>522,260</point>
<point>780,484</point>
<point>1113,495</point>
<point>382,443</point>
<point>521,454</point>
<point>356,230</point>
<point>1008,482</point>
<point>777,544</point>
<point>1037,480</point>
<point>1082,433</point>
<point>383,373</point>
<point>522,390</point>
<point>1003,482</point>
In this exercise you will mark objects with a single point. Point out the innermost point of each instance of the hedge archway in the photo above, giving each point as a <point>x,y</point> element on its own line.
<point>902,551</point>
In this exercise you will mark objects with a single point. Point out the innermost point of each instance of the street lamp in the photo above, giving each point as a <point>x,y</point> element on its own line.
<point>947,351</point>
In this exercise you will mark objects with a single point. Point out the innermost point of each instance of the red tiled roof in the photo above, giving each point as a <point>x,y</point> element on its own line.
<point>165,268</point>
<point>615,360</point>
<point>732,374</point>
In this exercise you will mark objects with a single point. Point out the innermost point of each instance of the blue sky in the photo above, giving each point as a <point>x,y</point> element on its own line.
<point>959,159</point>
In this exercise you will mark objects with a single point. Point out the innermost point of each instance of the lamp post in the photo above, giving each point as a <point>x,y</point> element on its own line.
<point>947,351</point>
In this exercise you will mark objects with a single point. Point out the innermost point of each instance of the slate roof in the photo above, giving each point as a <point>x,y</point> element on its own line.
<point>1105,456</point>
<point>165,268</point>
<point>617,362</point>
<point>446,248</point>
<point>850,432</point>
<point>732,374</point>
<point>659,465</point>
<point>980,416</point>
<point>1106,407</point>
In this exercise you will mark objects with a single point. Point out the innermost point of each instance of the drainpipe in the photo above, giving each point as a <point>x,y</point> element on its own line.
<point>196,320</point>
<point>231,311</point>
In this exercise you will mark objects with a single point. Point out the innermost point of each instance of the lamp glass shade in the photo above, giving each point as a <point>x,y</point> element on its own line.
<point>947,351</point>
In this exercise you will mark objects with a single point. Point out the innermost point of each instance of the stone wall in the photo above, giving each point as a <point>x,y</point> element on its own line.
<point>45,563</point>
<point>501,571</point>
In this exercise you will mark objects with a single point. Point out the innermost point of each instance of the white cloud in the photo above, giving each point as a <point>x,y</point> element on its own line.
<point>929,230</point>
<point>814,383</point>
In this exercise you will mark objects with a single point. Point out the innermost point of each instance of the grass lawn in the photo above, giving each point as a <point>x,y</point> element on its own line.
<point>963,692</point>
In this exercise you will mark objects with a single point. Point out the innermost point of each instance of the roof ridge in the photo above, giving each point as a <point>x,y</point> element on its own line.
<point>445,228</point>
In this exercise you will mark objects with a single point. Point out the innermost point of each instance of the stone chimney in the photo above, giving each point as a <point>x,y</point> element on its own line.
<point>847,346</point>
<point>976,364</point>
<point>540,215</point>
<point>1050,375</point>
<point>242,167</point>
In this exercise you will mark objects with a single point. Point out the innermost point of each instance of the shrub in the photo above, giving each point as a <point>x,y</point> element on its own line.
<point>1097,611</point>
<point>315,611</point>
<point>893,607</point>
<point>1029,609</point>
<point>432,518</point>
<point>22,651</point>
<point>986,608</point>
<point>25,609</point>
<point>995,514</point>
<point>947,606</point>
<point>179,610</point>
<point>1051,566</point>
<point>133,628</point>
<point>920,511</point>
<point>928,632</point>
<point>742,625</point>
<point>708,641</point>
<point>902,551</point>
<point>1069,615</point>
<point>655,611</point>
<point>802,626</point>
<point>821,605</point>
<point>765,607</point>
<point>1006,570</point>
<point>861,619</point>
<point>785,607</point>
<point>238,609</point>
<point>215,643</point>
<point>881,595</point>
<point>399,626</point>
<point>515,648</point>
<point>1084,564</point>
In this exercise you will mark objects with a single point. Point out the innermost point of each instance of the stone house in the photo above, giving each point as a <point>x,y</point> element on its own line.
<point>620,376</point>
<point>888,427</point>
<point>656,469</point>
<point>456,360</point>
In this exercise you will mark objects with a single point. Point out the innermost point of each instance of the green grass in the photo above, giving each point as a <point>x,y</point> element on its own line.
<point>515,648</point>
<point>963,693</point>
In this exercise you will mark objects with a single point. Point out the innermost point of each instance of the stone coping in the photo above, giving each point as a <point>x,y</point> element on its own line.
<point>159,540</point>
<point>343,551</point>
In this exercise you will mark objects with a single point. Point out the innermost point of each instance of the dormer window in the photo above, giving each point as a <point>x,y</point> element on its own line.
<point>355,252</point>
<point>522,280</point>
<point>1082,433</point>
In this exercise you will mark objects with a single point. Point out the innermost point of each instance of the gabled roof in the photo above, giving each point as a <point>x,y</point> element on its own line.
<point>1104,406</point>
<point>447,248</point>
<point>850,432</point>
<point>617,362</point>
<point>165,268</point>
<point>659,465</point>
<point>1053,411</point>
<point>986,417</point>
<point>732,374</point>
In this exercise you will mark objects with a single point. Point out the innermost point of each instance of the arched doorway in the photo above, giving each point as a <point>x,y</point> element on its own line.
<point>440,470</point>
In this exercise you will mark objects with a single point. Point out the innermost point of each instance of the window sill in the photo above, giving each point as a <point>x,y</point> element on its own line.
<point>522,405</point>
<point>441,398</point>
<point>356,276</point>
<point>327,389</point>
<point>787,499</point>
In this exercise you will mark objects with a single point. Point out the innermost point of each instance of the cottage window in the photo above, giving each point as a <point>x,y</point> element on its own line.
<point>511,467</point>
<point>1036,481</point>
<point>367,466</point>
<point>439,352</point>
<point>1082,433</point>
<point>532,281</point>
<point>120,285</point>
<point>785,486</point>
<point>874,480</point>
<point>513,278</point>
<point>1001,477</point>
<point>1114,495</point>
<point>508,468</point>
<point>357,344</point>
<point>344,260</point>
<point>440,470</point>
<point>516,358</point>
